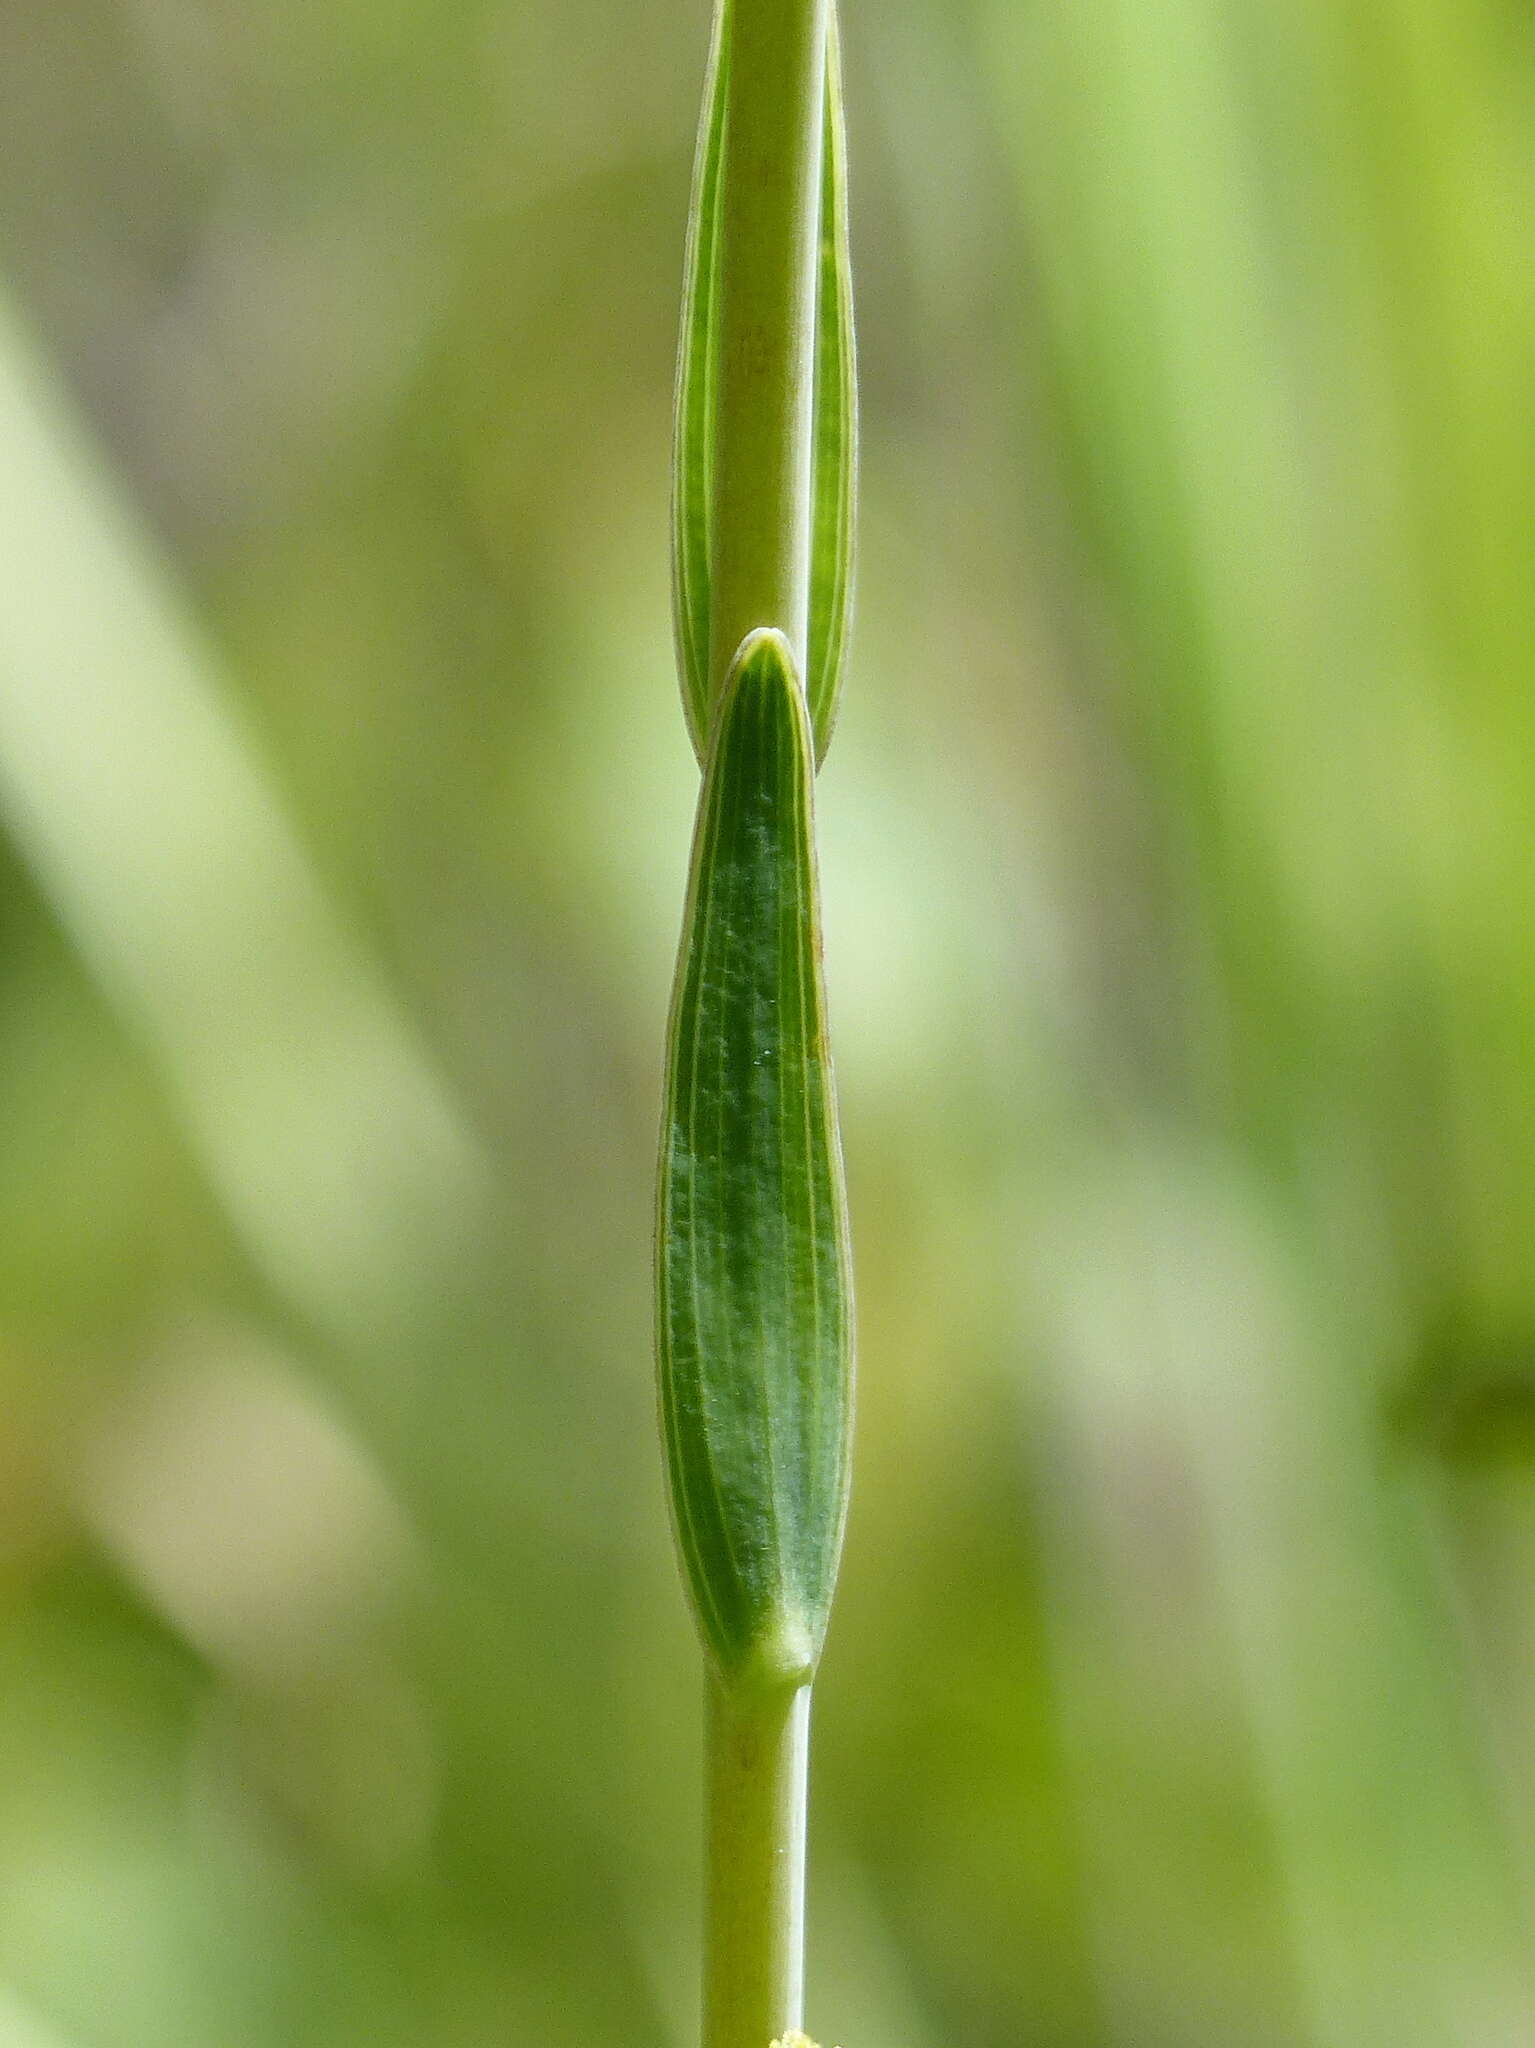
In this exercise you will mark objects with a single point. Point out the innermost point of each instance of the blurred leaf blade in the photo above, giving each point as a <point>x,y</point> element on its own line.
<point>137,799</point>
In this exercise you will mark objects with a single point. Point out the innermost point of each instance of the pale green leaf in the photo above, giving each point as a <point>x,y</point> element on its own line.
<point>693,451</point>
<point>754,1295</point>
<point>835,427</point>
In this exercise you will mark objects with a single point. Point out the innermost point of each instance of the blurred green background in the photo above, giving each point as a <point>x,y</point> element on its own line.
<point>1181,903</point>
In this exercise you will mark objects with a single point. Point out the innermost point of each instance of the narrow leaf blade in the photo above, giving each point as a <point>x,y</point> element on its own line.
<point>754,1323</point>
<point>693,448</point>
<point>835,453</point>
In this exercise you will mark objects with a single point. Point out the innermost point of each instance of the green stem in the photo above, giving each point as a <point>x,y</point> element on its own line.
<point>754,1970</point>
<point>758,1742</point>
<point>770,216</point>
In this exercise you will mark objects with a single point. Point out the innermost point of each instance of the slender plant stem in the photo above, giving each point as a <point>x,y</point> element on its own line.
<point>768,250</point>
<point>754,1971</point>
<point>760,539</point>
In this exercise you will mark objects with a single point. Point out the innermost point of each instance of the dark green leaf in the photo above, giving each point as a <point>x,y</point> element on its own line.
<point>754,1294</point>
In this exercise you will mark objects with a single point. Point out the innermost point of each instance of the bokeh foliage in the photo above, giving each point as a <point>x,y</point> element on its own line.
<point>1181,919</point>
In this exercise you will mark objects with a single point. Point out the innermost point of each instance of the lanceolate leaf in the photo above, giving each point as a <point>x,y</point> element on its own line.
<point>835,431</point>
<point>693,451</point>
<point>754,1294</point>
<point>836,424</point>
